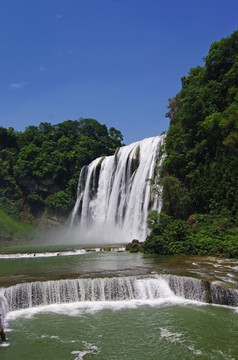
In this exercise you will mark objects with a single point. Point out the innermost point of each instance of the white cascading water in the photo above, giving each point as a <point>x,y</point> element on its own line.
<point>29,295</point>
<point>152,288</point>
<point>114,195</point>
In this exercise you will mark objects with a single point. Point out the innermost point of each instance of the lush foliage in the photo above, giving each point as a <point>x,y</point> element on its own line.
<point>39,167</point>
<point>202,141</point>
<point>200,235</point>
<point>200,170</point>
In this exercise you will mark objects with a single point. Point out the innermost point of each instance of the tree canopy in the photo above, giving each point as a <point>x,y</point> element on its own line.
<point>39,167</point>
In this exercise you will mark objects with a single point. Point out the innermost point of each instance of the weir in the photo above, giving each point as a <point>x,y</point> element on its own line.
<point>149,287</point>
<point>114,196</point>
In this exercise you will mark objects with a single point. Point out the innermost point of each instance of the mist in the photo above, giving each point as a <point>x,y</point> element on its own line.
<point>96,235</point>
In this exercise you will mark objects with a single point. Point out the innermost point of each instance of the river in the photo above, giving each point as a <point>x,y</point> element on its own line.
<point>124,307</point>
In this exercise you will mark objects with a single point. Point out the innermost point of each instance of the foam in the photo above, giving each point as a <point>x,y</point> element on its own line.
<point>79,308</point>
<point>56,253</point>
<point>42,254</point>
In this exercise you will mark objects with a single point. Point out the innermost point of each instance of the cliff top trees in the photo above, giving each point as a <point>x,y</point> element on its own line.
<point>52,154</point>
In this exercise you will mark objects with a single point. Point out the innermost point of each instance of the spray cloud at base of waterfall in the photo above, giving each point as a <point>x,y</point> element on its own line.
<point>97,234</point>
<point>115,196</point>
<point>70,235</point>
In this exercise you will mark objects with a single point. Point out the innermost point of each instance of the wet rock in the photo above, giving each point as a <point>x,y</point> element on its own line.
<point>134,246</point>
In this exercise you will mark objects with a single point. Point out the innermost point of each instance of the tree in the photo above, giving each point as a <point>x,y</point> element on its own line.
<point>201,143</point>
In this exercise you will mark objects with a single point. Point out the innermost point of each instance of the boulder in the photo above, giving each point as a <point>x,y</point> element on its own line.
<point>134,246</point>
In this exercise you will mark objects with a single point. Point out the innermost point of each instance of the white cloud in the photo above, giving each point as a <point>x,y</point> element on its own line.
<point>16,86</point>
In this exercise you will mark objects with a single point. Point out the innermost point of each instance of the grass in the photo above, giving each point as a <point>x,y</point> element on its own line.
<point>13,229</point>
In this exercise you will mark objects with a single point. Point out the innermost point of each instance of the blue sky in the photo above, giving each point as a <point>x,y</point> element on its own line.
<point>117,61</point>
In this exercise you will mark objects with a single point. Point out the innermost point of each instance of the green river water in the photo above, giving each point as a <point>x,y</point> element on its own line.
<point>168,328</point>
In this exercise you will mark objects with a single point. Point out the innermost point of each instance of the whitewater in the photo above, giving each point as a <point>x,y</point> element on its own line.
<point>115,197</point>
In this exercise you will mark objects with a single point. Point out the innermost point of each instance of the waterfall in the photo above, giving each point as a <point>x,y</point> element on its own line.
<point>114,195</point>
<point>148,287</point>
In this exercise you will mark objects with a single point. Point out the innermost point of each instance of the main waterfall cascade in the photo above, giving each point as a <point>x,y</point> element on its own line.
<point>114,196</point>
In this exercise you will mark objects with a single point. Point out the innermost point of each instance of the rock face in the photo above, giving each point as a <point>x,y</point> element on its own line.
<point>53,222</point>
<point>43,187</point>
<point>134,246</point>
<point>40,185</point>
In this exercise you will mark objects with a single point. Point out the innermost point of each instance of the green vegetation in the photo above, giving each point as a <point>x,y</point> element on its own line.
<point>200,171</point>
<point>200,235</point>
<point>11,229</point>
<point>39,167</point>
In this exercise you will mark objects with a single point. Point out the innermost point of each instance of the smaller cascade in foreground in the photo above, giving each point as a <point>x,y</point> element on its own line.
<point>28,295</point>
<point>114,195</point>
<point>142,288</point>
